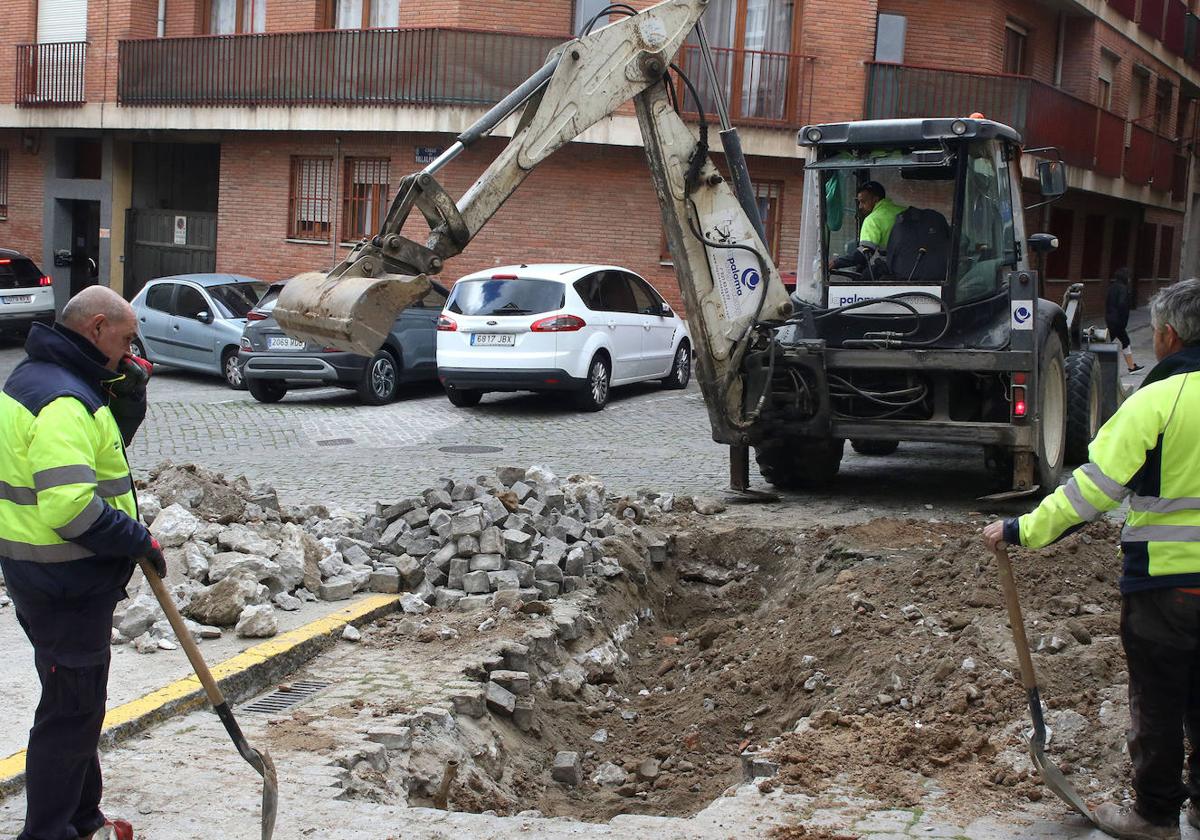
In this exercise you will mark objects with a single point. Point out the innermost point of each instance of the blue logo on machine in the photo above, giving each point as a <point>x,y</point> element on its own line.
<point>749,280</point>
<point>1022,314</point>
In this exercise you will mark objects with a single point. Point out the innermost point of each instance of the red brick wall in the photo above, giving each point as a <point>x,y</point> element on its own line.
<point>20,27</point>
<point>22,230</point>
<point>841,35</point>
<point>1131,54</point>
<point>585,204</point>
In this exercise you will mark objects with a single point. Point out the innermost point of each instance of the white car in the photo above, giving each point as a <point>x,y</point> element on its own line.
<point>579,328</point>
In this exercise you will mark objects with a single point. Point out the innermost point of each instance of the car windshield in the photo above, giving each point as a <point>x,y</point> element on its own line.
<point>505,296</point>
<point>19,273</point>
<point>236,299</point>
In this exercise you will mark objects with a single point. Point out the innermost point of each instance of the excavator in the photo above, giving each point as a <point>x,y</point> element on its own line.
<point>938,335</point>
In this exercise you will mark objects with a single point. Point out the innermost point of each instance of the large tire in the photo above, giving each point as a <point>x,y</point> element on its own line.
<point>463,397</point>
<point>1084,404</point>
<point>267,390</point>
<point>1052,414</point>
<point>874,447</point>
<point>681,368</point>
<point>231,369</point>
<point>593,396</point>
<point>380,381</point>
<point>136,348</point>
<point>791,463</point>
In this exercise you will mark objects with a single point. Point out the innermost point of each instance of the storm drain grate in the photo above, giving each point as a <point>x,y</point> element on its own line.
<point>286,697</point>
<point>470,449</point>
<point>335,442</point>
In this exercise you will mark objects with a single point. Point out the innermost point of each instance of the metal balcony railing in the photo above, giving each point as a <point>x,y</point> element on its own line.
<point>51,75</point>
<point>1086,135</point>
<point>428,66</point>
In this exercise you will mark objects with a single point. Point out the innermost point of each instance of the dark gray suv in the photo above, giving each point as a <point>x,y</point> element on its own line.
<point>273,362</point>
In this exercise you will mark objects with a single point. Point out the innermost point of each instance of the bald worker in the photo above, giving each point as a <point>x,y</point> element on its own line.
<point>69,538</point>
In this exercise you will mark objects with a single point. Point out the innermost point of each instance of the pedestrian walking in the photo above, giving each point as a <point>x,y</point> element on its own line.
<point>1116,314</point>
<point>1149,454</point>
<point>69,536</point>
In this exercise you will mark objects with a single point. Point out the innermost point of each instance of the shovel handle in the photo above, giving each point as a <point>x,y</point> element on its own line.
<point>182,633</point>
<point>1015,618</point>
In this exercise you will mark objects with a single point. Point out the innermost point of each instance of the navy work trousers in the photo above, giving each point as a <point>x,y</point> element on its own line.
<point>62,767</point>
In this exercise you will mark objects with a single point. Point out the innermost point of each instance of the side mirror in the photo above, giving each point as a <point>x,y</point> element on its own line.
<point>1043,243</point>
<point>1052,176</point>
<point>667,311</point>
<point>204,317</point>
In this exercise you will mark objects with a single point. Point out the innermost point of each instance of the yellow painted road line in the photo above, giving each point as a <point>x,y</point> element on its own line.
<point>187,693</point>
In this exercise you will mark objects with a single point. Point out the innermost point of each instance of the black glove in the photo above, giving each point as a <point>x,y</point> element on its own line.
<point>156,558</point>
<point>128,395</point>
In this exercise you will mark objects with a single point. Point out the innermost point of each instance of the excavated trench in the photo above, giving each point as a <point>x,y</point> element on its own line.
<point>872,658</point>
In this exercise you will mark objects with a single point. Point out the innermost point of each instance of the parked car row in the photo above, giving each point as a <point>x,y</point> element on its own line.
<point>582,329</point>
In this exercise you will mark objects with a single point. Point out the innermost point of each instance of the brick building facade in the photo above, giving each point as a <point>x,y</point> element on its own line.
<point>145,137</point>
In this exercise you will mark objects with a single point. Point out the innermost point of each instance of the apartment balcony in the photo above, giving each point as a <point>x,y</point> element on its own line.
<point>1086,135</point>
<point>51,75</point>
<point>432,67</point>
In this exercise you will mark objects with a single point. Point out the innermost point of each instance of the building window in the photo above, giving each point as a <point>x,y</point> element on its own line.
<point>229,17</point>
<point>1108,72</point>
<point>585,10</point>
<point>1016,43</point>
<point>768,195</point>
<point>890,33</point>
<point>366,197</point>
<point>1164,97</point>
<point>361,14</point>
<point>3,184</point>
<point>310,204</point>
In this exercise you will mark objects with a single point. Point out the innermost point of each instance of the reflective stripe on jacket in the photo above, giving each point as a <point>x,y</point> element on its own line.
<point>66,494</point>
<point>1148,453</point>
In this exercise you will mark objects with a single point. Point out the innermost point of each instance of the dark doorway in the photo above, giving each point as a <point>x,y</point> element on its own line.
<point>85,244</point>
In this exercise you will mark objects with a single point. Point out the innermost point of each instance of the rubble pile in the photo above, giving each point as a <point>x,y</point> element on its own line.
<point>236,555</point>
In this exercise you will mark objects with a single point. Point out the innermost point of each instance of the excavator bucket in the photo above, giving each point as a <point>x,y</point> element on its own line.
<point>349,313</point>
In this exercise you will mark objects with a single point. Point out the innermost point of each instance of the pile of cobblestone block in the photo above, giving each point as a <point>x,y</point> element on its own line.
<point>236,555</point>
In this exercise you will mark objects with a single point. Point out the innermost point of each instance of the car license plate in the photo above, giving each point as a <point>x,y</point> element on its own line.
<point>282,342</point>
<point>17,298</point>
<point>493,340</point>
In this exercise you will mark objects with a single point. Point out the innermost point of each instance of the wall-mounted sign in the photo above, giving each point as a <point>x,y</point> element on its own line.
<point>428,154</point>
<point>181,230</point>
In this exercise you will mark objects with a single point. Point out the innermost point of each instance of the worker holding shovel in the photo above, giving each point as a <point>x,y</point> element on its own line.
<point>1148,453</point>
<point>69,538</point>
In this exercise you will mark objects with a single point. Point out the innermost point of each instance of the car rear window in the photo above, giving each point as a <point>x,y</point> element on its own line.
<point>236,299</point>
<point>19,273</point>
<point>506,297</point>
<point>269,299</point>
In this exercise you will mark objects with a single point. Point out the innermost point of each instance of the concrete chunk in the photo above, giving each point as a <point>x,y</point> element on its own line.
<point>469,701</point>
<point>522,715</point>
<point>487,563</point>
<point>386,580</point>
<point>391,737</point>
<point>499,699</point>
<point>506,579</point>
<point>515,681</point>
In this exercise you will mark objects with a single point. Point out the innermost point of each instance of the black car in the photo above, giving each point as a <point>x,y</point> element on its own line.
<point>273,362</point>
<point>26,295</point>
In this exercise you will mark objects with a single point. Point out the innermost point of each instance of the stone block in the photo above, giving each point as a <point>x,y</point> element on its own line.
<point>572,583</point>
<point>531,593</point>
<point>524,572</point>
<point>499,699</point>
<point>533,507</point>
<point>516,544</point>
<point>506,598</point>
<point>464,491</point>
<point>395,511</point>
<point>522,715</point>
<point>510,475</point>
<point>491,541</point>
<point>437,499</point>
<point>548,588</point>
<point>413,604</point>
<point>467,523</point>
<point>506,579</point>
<point>521,490</point>
<point>515,681</point>
<point>575,563</point>
<point>447,598</point>
<point>548,570</point>
<point>516,657</point>
<point>468,546</point>
<point>391,737</point>
<point>459,566</point>
<point>435,577</point>
<point>469,701</point>
<point>417,517</point>
<point>567,769</point>
<point>336,589</point>
<point>487,563</point>
<point>411,573</point>
<point>386,579</point>
<point>474,603</point>
<point>567,529</point>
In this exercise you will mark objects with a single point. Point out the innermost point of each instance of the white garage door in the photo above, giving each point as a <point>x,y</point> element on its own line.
<point>62,20</point>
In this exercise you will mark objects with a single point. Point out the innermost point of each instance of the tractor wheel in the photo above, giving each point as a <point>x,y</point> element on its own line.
<point>874,447</point>
<point>1083,404</point>
<point>1052,415</point>
<point>793,463</point>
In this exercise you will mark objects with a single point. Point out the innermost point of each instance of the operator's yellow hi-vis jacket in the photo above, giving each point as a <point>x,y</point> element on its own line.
<point>68,514</point>
<point>1148,453</point>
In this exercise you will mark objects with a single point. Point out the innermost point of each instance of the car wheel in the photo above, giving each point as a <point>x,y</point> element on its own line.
<point>137,349</point>
<point>231,369</point>
<point>463,397</point>
<point>594,394</point>
<point>681,369</point>
<point>381,379</point>
<point>267,390</point>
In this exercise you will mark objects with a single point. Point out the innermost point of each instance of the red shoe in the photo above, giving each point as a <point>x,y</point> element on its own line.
<point>114,830</point>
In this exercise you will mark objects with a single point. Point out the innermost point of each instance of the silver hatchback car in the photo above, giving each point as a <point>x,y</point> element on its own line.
<point>195,321</point>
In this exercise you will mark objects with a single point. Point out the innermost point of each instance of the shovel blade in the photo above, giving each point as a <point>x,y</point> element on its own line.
<point>1057,782</point>
<point>270,797</point>
<point>350,313</point>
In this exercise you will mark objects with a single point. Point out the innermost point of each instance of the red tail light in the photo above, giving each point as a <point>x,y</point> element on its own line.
<point>1018,398</point>
<point>1018,378</point>
<point>559,323</point>
<point>446,324</point>
<point>504,277</point>
<point>255,315</point>
<point>45,280</point>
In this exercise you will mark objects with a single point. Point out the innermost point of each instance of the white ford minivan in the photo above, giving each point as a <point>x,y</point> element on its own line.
<point>555,327</point>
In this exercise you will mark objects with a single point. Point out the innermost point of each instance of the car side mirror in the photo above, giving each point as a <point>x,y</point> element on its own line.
<point>204,316</point>
<point>667,311</point>
<point>1052,176</point>
<point>1043,243</point>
